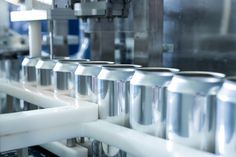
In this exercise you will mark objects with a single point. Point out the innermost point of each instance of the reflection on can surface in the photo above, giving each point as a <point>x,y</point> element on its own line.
<point>148,99</point>
<point>44,73</point>
<point>86,80</point>
<point>226,119</point>
<point>191,109</point>
<point>114,91</point>
<point>63,76</point>
<point>29,70</point>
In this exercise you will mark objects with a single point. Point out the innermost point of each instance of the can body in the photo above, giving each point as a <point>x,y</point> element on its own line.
<point>191,109</point>
<point>86,83</point>
<point>44,73</point>
<point>13,67</point>
<point>226,119</point>
<point>29,70</point>
<point>2,69</point>
<point>3,96</point>
<point>148,100</point>
<point>64,77</point>
<point>114,92</point>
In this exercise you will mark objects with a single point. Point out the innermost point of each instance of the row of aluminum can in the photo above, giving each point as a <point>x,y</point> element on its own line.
<point>197,109</point>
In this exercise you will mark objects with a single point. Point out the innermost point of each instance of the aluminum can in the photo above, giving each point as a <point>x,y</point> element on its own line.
<point>29,70</point>
<point>12,69</point>
<point>148,99</point>
<point>2,69</point>
<point>44,73</point>
<point>226,119</point>
<point>63,76</point>
<point>86,80</point>
<point>191,109</point>
<point>114,91</point>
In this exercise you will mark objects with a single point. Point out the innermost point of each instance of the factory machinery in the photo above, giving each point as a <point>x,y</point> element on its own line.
<point>123,101</point>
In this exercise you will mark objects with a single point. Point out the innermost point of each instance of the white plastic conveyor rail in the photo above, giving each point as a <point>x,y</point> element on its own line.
<point>61,112</point>
<point>24,129</point>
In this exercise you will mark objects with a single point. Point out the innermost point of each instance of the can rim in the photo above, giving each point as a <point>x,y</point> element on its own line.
<point>72,60</point>
<point>95,63</point>
<point>124,67</point>
<point>45,64</point>
<point>201,74</point>
<point>46,59</point>
<point>158,69</point>
<point>29,57</point>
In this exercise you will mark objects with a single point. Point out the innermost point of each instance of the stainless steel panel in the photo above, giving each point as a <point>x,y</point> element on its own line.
<point>114,91</point>
<point>191,109</point>
<point>226,119</point>
<point>148,100</point>
<point>86,80</point>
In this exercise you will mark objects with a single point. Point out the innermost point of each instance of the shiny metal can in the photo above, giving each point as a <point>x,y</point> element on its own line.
<point>44,72</point>
<point>86,80</point>
<point>148,99</point>
<point>114,91</point>
<point>226,119</point>
<point>2,69</point>
<point>63,76</point>
<point>191,109</point>
<point>29,70</point>
<point>12,69</point>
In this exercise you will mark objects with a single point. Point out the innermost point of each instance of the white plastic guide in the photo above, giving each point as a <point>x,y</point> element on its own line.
<point>65,118</point>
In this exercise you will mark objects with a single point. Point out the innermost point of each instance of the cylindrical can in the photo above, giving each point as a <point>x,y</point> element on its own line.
<point>2,69</point>
<point>44,73</point>
<point>226,119</point>
<point>29,70</point>
<point>3,96</point>
<point>86,80</point>
<point>63,76</point>
<point>148,99</point>
<point>12,69</point>
<point>191,109</point>
<point>114,91</point>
